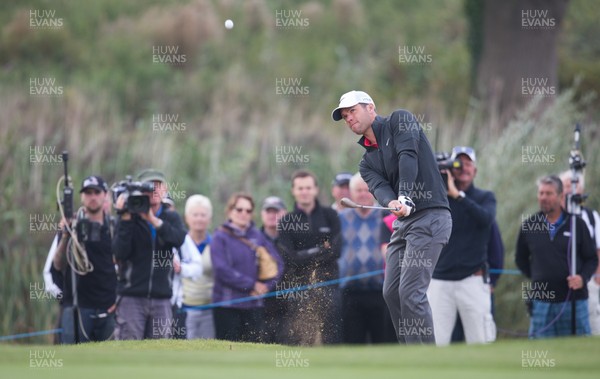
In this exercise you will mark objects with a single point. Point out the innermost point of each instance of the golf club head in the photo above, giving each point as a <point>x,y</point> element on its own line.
<point>348,203</point>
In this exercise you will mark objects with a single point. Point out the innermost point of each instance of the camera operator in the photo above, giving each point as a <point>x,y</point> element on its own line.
<point>143,247</point>
<point>96,289</point>
<point>592,220</point>
<point>460,280</point>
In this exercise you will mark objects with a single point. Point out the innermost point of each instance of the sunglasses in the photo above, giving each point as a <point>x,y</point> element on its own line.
<point>240,210</point>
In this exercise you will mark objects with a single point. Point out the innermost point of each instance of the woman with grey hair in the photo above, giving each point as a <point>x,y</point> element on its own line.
<point>197,288</point>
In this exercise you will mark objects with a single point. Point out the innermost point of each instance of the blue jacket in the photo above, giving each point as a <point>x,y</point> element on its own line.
<point>234,265</point>
<point>466,251</point>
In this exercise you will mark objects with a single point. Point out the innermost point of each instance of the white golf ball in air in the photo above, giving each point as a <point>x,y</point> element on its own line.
<point>229,24</point>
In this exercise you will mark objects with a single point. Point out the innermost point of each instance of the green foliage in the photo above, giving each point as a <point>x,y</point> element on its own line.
<point>474,14</point>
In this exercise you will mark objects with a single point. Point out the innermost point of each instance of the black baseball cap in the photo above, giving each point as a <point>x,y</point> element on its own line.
<point>94,182</point>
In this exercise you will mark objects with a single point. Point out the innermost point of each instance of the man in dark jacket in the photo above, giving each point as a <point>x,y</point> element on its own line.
<point>143,247</point>
<point>92,305</point>
<point>543,255</point>
<point>400,168</point>
<point>460,279</point>
<point>310,244</point>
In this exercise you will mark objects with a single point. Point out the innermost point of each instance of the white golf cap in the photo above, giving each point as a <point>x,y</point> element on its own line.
<point>350,99</point>
<point>466,150</point>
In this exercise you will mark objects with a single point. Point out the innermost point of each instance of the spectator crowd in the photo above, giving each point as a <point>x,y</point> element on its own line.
<point>151,273</point>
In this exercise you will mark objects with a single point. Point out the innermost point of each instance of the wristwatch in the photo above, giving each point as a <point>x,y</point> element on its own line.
<point>461,195</point>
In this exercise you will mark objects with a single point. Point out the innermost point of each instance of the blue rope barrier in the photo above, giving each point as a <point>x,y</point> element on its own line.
<point>250,298</point>
<point>32,334</point>
<point>507,272</point>
<point>295,289</point>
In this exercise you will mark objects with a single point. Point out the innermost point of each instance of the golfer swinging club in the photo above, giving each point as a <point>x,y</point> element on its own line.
<point>401,171</point>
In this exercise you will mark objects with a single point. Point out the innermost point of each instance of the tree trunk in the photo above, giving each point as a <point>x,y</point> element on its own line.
<point>519,58</point>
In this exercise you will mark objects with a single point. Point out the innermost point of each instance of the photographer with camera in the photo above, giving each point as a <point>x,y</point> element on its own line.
<point>145,235</point>
<point>96,282</point>
<point>460,281</point>
<point>592,220</point>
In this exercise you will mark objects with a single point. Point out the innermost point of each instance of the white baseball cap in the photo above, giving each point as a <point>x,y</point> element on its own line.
<point>466,150</point>
<point>350,99</point>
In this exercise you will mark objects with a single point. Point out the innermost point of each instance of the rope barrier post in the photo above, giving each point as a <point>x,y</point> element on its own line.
<point>574,201</point>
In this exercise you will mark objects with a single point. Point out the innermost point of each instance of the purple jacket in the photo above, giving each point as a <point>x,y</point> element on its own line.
<point>234,265</point>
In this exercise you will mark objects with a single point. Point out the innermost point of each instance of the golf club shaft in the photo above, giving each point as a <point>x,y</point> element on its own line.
<point>376,207</point>
<point>351,204</point>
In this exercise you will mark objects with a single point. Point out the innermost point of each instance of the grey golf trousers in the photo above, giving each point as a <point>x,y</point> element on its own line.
<point>411,257</point>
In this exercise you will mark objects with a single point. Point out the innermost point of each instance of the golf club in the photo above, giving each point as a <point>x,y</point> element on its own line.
<point>351,204</point>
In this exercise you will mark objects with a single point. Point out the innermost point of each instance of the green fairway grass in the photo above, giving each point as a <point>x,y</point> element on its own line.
<point>558,358</point>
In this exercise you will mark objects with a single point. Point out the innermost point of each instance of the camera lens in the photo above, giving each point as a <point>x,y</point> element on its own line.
<point>138,204</point>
